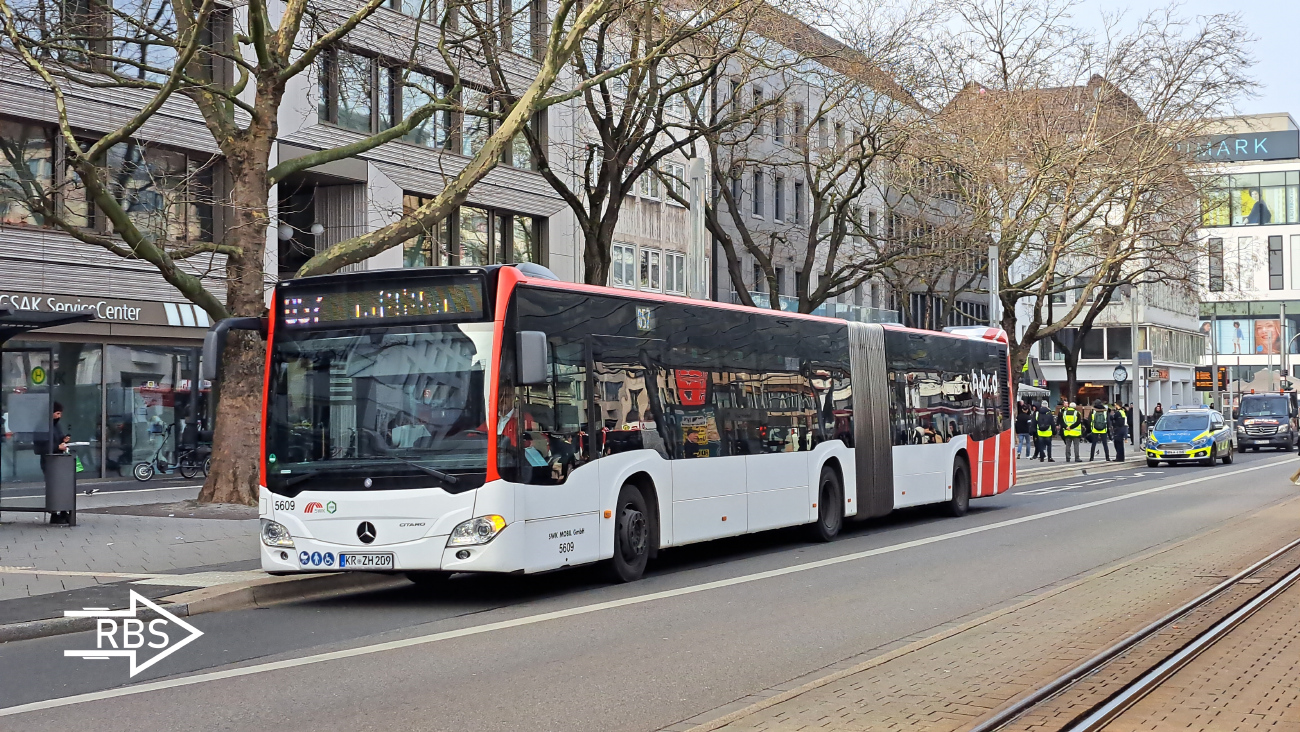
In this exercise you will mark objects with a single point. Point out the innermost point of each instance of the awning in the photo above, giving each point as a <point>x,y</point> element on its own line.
<point>1030,390</point>
<point>14,323</point>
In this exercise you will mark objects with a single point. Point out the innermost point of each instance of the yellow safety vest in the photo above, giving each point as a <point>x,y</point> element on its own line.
<point>1042,432</point>
<point>1071,424</point>
<point>1105,422</point>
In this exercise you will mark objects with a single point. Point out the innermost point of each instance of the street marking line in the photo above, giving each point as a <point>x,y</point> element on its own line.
<point>211,676</point>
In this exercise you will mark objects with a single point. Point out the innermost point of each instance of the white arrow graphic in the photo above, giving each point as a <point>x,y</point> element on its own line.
<point>136,601</point>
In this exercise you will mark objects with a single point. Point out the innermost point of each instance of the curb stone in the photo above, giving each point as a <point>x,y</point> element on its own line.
<point>262,592</point>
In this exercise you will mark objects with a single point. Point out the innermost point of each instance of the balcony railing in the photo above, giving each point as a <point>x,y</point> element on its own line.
<point>827,309</point>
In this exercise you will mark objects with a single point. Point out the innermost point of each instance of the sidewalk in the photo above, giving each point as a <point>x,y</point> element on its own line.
<point>963,672</point>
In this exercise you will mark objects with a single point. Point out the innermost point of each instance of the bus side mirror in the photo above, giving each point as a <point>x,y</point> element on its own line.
<point>533,357</point>
<point>214,342</point>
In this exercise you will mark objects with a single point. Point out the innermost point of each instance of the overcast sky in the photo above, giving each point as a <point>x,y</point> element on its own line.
<point>1275,25</point>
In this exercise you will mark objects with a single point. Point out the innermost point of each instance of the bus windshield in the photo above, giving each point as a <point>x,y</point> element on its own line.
<point>377,408</point>
<point>1273,406</point>
<point>1174,422</point>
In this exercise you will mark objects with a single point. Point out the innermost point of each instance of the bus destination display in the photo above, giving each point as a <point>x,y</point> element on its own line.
<point>453,299</point>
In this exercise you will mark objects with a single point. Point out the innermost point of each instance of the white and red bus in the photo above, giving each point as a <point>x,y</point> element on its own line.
<point>496,419</point>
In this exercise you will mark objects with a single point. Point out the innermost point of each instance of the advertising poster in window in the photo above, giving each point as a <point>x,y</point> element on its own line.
<point>1268,336</point>
<point>1235,337</point>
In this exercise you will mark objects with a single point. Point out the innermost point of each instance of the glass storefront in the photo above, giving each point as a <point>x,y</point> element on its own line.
<point>126,401</point>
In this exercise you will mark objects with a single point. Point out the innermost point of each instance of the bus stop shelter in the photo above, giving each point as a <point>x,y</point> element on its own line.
<point>28,410</point>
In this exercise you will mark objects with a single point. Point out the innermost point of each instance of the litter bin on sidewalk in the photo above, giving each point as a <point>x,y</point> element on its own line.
<point>61,485</point>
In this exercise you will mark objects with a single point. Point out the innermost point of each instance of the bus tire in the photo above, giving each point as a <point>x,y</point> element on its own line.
<point>830,507</point>
<point>959,504</point>
<point>632,538</point>
<point>428,579</point>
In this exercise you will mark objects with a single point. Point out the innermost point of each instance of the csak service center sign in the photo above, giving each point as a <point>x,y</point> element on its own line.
<point>106,310</point>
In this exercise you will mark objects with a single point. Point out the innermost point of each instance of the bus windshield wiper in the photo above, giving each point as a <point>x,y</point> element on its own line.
<point>447,478</point>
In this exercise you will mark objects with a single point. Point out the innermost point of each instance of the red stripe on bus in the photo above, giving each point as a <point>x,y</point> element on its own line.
<point>507,278</point>
<point>990,454</point>
<point>266,381</point>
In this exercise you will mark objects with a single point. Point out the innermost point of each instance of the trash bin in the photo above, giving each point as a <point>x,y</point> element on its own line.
<point>61,485</point>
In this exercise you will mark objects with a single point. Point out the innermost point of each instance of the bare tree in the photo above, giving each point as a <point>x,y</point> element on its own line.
<point>1067,148</point>
<point>232,67</point>
<point>826,119</point>
<point>630,124</point>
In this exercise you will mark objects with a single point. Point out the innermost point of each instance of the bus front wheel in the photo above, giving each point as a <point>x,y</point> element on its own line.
<point>959,504</point>
<point>830,507</point>
<point>631,535</point>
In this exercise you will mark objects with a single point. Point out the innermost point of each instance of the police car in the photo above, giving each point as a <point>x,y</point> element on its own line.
<point>1189,434</point>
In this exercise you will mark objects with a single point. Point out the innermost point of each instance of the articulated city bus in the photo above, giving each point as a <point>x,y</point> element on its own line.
<point>495,419</point>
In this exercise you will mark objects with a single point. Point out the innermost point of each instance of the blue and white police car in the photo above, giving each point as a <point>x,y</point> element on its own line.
<point>1189,434</point>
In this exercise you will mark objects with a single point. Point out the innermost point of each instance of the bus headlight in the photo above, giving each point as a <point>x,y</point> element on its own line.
<point>479,530</point>
<point>275,534</point>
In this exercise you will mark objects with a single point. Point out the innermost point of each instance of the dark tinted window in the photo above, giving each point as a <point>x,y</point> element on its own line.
<point>941,387</point>
<point>685,380</point>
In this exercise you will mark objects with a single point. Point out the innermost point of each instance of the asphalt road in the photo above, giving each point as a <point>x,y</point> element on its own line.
<point>708,625</point>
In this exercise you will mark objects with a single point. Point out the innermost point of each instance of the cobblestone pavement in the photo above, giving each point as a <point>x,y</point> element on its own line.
<point>952,679</point>
<point>37,558</point>
<point>1248,680</point>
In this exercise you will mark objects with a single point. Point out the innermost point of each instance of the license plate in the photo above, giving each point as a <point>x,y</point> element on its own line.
<point>365,561</point>
<point>1175,454</point>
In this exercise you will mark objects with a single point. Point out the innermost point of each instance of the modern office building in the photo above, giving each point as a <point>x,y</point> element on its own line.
<point>1251,288</point>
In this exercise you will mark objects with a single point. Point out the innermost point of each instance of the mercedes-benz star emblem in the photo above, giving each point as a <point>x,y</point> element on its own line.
<point>366,532</point>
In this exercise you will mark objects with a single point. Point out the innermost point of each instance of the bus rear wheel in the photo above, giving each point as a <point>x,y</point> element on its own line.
<point>959,504</point>
<point>830,508</point>
<point>631,536</point>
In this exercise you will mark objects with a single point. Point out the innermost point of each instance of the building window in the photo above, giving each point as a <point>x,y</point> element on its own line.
<point>1276,280</point>
<point>674,273</point>
<point>798,203</point>
<point>1295,261</point>
<point>798,124</point>
<point>648,185</point>
<point>675,179</point>
<point>778,274</point>
<point>760,279</point>
<point>474,128</point>
<point>1252,199</point>
<point>517,27</point>
<point>778,122</point>
<point>1216,264</point>
<point>757,186</point>
<point>138,30</point>
<point>427,249</point>
<point>778,198</point>
<point>165,194</point>
<point>466,238</point>
<point>427,9</point>
<point>417,90</point>
<point>737,190</point>
<point>756,97</point>
<point>650,273</point>
<point>26,171</point>
<point>622,269</point>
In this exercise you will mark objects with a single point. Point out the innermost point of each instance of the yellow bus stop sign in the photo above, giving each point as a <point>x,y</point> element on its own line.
<point>38,375</point>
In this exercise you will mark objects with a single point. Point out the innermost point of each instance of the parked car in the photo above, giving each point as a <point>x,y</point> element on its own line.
<point>1189,434</point>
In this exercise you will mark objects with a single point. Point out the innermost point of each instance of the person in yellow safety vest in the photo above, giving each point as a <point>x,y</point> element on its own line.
<point>1099,423</point>
<point>1044,426</point>
<point>1072,430</point>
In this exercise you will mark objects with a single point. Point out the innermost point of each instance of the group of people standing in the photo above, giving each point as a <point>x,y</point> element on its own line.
<point>1102,425</point>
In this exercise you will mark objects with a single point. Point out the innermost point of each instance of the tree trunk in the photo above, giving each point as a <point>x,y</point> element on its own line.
<point>237,441</point>
<point>596,259</point>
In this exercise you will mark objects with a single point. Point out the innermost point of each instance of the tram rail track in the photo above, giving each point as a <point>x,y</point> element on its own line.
<point>1120,696</point>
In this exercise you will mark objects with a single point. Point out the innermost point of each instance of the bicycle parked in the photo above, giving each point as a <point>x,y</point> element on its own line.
<point>193,456</point>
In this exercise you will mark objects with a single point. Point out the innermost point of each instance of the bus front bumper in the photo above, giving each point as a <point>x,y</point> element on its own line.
<point>503,554</point>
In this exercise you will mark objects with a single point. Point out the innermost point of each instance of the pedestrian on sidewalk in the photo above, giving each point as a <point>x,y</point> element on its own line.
<point>1129,415</point>
<point>1118,429</point>
<point>1071,430</point>
<point>1024,429</point>
<point>1045,427</point>
<point>1099,425</point>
